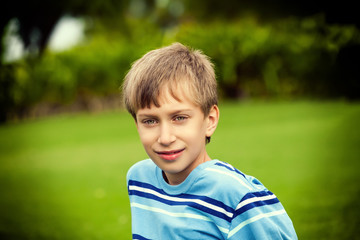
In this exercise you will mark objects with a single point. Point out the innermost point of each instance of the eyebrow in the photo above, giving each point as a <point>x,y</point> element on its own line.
<point>171,113</point>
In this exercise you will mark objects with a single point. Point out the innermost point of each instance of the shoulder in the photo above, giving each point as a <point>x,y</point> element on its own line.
<point>255,210</point>
<point>141,168</point>
<point>230,177</point>
<point>221,181</point>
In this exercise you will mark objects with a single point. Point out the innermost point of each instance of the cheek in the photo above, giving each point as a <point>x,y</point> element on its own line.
<point>145,136</point>
<point>194,134</point>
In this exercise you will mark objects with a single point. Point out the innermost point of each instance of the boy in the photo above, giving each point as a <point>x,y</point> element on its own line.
<point>180,193</point>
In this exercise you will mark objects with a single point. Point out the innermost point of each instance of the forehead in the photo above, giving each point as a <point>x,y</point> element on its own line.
<point>176,98</point>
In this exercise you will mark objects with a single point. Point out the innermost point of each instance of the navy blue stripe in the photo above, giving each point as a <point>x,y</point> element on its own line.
<point>183,196</point>
<point>254,205</point>
<point>208,200</point>
<point>146,185</point>
<point>185,203</point>
<point>229,168</point>
<point>257,194</point>
<point>137,236</point>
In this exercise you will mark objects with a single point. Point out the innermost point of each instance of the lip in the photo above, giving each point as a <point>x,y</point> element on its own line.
<point>170,155</point>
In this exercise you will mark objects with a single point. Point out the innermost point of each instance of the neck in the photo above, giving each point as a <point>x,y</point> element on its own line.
<point>177,178</point>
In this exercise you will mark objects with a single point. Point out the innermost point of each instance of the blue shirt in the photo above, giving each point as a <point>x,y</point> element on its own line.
<point>216,201</point>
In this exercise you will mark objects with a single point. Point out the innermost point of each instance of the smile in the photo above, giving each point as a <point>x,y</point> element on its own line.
<point>170,155</point>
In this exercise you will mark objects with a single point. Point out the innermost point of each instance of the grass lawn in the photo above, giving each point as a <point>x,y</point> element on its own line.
<point>64,177</point>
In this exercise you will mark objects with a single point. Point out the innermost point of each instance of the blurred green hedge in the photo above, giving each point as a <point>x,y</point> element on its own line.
<point>287,58</point>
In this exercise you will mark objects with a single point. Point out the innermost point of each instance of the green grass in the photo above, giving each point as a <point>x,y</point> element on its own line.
<point>64,177</point>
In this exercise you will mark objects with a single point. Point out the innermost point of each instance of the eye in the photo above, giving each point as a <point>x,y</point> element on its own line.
<point>180,118</point>
<point>149,122</point>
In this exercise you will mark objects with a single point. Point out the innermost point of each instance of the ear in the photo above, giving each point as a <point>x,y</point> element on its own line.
<point>212,120</point>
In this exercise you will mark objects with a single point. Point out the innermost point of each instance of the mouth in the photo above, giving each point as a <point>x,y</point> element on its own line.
<point>170,155</point>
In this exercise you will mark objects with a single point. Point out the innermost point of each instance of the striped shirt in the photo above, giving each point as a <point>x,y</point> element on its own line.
<point>216,201</point>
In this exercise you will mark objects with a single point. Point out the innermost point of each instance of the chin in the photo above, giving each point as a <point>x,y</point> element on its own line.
<point>172,170</point>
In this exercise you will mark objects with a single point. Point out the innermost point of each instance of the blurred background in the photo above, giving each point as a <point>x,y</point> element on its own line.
<point>289,85</point>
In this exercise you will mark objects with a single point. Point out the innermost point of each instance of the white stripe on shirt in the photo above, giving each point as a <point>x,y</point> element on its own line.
<point>254,219</point>
<point>176,199</point>
<point>159,210</point>
<point>254,199</point>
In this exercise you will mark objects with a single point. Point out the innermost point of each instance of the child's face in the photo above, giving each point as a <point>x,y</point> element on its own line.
<point>174,135</point>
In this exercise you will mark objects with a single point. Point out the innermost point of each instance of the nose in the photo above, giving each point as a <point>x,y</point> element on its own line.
<point>166,135</point>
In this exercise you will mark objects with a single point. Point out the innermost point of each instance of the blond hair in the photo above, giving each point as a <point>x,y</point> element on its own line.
<point>172,67</point>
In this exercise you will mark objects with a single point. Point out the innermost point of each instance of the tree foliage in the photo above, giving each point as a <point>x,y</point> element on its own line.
<point>259,49</point>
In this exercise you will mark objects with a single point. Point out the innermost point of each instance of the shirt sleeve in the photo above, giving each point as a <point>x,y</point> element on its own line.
<point>260,215</point>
